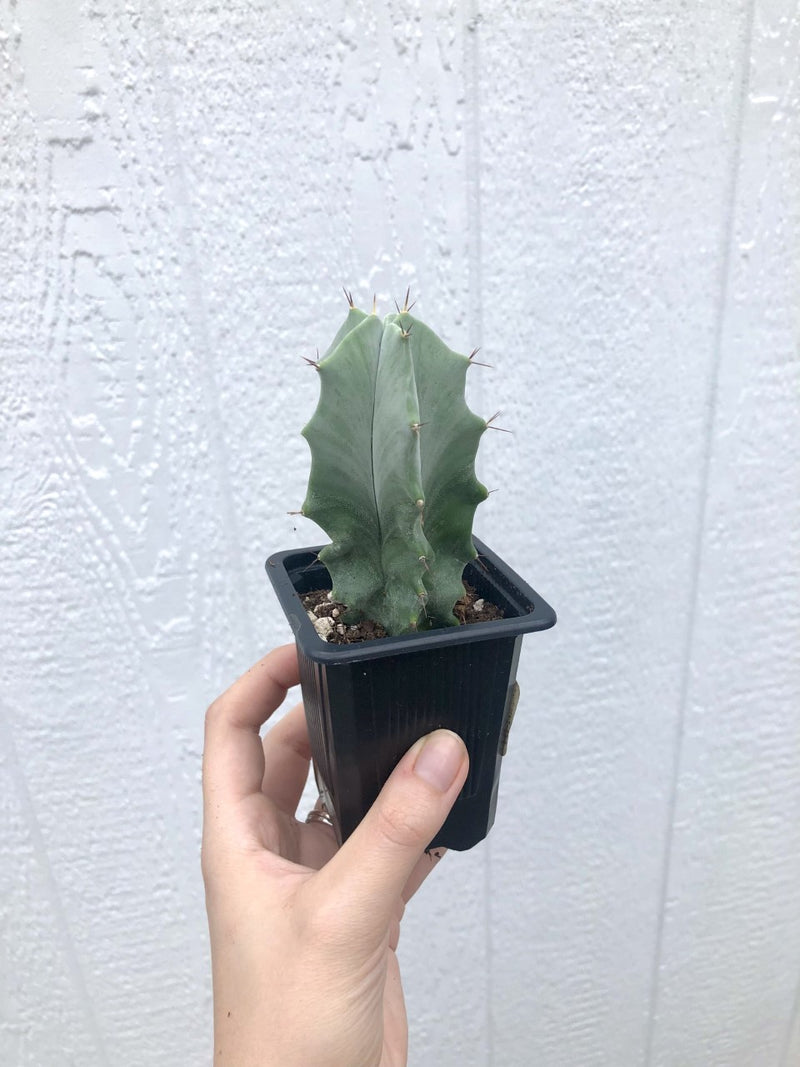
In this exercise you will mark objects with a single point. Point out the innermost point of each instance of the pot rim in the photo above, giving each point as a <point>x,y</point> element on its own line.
<point>534,613</point>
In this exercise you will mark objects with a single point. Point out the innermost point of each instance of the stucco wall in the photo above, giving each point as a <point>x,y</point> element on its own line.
<point>604,196</point>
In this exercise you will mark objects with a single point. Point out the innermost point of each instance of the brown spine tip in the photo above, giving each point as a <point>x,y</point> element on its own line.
<point>349,296</point>
<point>491,420</point>
<point>476,362</point>
<point>406,305</point>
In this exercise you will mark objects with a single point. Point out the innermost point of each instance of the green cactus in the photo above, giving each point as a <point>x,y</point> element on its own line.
<point>392,480</point>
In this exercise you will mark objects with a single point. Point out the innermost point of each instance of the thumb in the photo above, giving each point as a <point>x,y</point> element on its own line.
<point>368,873</point>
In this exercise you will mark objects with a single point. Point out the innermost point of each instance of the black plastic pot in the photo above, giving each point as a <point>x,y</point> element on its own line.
<point>367,703</point>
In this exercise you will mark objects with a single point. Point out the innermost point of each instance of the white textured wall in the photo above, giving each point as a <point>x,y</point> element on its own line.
<point>605,197</point>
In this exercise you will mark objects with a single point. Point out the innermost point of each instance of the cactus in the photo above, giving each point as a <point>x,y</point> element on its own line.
<point>392,480</point>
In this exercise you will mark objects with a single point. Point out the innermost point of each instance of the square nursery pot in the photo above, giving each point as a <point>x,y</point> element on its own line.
<point>367,703</point>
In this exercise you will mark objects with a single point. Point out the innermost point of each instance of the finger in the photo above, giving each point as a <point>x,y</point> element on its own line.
<point>287,757</point>
<point>368,873</point>
<point>233,759</point>
<point>316,843</point>
<point>394,935</point>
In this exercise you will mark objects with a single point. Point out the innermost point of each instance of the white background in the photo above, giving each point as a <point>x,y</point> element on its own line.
<point>606,197</point>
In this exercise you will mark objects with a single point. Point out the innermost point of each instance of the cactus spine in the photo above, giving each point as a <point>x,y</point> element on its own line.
<point>392,480</point>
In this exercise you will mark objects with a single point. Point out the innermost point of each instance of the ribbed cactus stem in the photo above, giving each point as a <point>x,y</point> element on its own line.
<point>392,481</point>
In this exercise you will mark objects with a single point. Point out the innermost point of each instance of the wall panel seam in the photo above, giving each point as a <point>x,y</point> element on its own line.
<point>470,31</point>
<point>726,244</point>
<point>792,1025</point>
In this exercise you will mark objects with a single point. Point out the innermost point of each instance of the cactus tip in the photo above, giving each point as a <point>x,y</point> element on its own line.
<point>374,303</point>
<point>349,296</point>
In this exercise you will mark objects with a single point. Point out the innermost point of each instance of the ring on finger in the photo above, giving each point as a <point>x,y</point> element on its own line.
<point>320,813</point>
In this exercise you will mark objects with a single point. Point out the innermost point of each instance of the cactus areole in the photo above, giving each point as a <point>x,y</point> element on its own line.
<point>392,480</point>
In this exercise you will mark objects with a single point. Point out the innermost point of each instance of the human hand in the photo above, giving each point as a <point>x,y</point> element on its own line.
<point>303,936</point>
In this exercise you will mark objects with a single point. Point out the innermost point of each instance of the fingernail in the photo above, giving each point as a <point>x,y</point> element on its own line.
<point>439,759</point>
